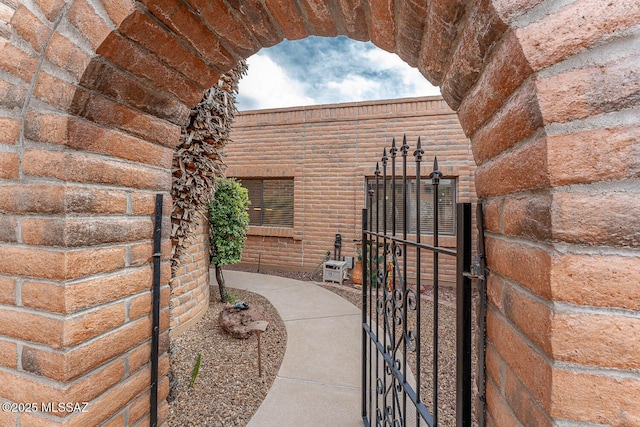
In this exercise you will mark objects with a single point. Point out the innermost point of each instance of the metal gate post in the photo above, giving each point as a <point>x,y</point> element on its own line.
<point>463,316</point>
<point>364,316</point>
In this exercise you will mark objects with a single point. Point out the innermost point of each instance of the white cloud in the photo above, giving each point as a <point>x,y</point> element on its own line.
<point>354,88</point>
<point>267,85</point>
<point>320,70</point>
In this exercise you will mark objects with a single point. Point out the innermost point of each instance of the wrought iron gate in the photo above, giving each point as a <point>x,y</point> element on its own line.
<point>397,388</point>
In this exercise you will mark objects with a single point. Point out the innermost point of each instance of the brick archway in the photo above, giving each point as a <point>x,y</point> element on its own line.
<point>93,94</point>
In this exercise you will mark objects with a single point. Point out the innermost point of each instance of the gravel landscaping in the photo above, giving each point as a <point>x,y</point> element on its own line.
<point>228,391</point>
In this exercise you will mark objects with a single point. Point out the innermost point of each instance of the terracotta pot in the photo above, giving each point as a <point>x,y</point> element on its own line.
<point>356,273</point>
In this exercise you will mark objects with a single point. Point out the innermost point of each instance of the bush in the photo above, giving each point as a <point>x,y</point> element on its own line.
<point>229,222</point>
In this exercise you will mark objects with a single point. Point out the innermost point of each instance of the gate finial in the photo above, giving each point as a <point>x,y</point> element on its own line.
<point>377,173</point>
<point>393,149</point>
<point>385,159</point>
<point>436,174</point>
<point>419,152</point>
<point>405,146</point>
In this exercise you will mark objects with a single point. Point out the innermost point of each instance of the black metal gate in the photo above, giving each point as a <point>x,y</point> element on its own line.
<point>405,380</point>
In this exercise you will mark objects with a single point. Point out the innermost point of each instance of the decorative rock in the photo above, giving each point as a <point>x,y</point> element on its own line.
<point>238,322</point>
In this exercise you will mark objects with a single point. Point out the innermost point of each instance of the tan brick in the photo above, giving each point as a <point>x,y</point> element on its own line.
<point>506,70</point>
<point>8,229</point>
<point>140,306</point>
<point>595,398</point>
<point>145,204</point>
<point>181,20</point>
<point>84,232</point>
<point>526,265</point>
<point>534,372</point>
<point>79,167</point>
<point>318,17</point>
<point>128,90</point>
<point>528,216</point>
<point>523,405</point>
<point>524,168</point>
<point>84,326</point>
<point>83,262</point>
<point>9,130</point>
<point>30,28</point>
<point>117,421</point>
<point>579,218</point>
<point>588,91</point>
<point>45,296</point>
<point>32,262</point>
<point>148,33</point>
<point>87,21</point>
<point>114,400</point>
<point>54,91</point>
<point>535,319</point>
<point>605,154</point>
<point>596,280</point>
<point>8,354</point>
<point>287,16</point>
<point>78,200</point>
<point>119,10</point>
<point>482,30</point>
<point>8,418</point>
<point>9,165</point>
<point>517,120</point>
<point>65,54</point>
<point>7,290</point>
<point>31,326</point>
<point>46,127</point>
<point>574,28</point>
<point>12,96</point>
<point>45,199</point>
<point>129,56</point>
<point>596,340</point>
<point>139,408</point>
<point>100,109</point>
<point>84,358</point>
<point>50,8</point>
<point>498,408</point>
<point>108,288</point>
<point>495,367</point>
<point>139,357</point>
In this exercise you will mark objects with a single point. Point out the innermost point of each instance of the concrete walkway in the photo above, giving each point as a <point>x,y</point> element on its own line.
<point>318,384</point>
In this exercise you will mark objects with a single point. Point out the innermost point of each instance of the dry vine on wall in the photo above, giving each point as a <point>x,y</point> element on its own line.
<point>199,158</point>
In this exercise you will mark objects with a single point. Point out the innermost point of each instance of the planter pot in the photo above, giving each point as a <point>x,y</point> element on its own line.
<point>356,275</point>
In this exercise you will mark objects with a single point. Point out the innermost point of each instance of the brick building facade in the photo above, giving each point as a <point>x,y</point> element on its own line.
<point>92,97</point>
<point>329,152</point>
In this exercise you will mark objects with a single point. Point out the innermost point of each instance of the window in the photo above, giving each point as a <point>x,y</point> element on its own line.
<point>446,205</point>
<point>271,201</point>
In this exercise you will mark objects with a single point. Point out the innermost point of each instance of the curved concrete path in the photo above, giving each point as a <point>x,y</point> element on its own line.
<point>318,384</point>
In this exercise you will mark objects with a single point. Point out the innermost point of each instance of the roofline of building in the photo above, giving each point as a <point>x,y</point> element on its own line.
<point>345,104</point>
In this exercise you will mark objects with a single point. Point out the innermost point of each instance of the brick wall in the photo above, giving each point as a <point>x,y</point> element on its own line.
<point>190,282</point>
<point>330,151</point>
<point>92,97</point>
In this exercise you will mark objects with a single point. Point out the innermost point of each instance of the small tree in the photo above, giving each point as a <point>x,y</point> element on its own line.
<point>229,221</point>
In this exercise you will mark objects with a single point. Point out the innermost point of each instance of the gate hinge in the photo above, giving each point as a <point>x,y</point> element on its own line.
<point>475,270</point>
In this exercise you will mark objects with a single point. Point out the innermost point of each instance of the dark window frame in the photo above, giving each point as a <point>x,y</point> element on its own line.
<point>278,211</point>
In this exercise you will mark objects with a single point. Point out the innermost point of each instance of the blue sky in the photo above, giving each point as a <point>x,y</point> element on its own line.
<point>319,70</point>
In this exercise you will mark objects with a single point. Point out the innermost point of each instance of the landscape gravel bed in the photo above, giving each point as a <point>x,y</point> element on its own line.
<point>227,391</point>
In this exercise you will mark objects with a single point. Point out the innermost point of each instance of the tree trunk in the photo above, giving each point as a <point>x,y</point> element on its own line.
<point>224,296</point>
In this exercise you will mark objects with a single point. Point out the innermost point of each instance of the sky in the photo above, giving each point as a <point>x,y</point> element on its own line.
<point>320,70</point>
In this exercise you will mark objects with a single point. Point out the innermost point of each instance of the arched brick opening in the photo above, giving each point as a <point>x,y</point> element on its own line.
<point>93,94</point>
